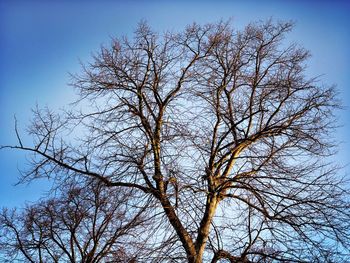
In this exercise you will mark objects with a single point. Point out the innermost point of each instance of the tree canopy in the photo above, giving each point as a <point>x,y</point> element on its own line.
<point>222,135</point>
<point>83,223</point>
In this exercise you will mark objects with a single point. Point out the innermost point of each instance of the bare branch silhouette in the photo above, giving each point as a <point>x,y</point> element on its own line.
<point>225,133</point>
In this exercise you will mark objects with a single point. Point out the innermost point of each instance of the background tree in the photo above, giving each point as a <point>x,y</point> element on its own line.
<point>225,133</point>
<point>82,224</point>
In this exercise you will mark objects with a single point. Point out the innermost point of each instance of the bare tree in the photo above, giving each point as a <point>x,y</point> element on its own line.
<point>84,224</point>
<point>223,129</point>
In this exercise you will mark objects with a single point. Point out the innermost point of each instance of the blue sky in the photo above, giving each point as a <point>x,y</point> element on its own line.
<point>41,41</point>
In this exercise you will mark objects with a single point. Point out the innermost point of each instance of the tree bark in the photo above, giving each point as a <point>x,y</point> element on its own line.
<point>204,228</point>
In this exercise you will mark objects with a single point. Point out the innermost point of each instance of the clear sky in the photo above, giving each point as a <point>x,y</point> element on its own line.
<point>41,41</point>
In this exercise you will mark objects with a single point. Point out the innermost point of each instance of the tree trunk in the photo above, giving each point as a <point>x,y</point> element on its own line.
<point>204,228</point>
<point>185,238</point>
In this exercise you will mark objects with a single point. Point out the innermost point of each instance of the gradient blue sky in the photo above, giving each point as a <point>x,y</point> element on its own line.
<point>41,41</point>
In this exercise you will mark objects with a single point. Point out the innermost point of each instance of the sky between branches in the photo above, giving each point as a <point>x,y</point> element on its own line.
<point>40,42</point>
